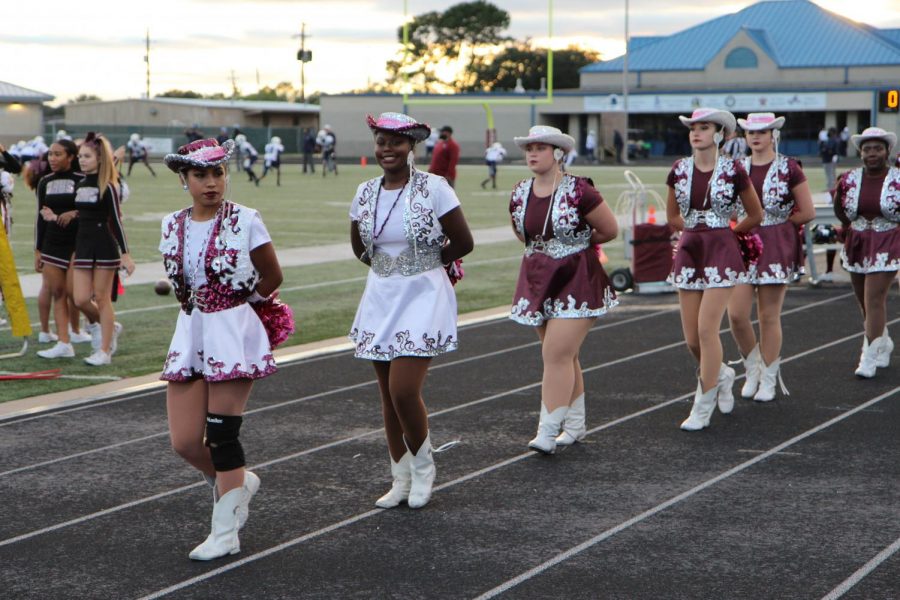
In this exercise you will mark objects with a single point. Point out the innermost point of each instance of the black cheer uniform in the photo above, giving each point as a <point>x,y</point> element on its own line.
<point>56,244</point>
<point>100,233</point>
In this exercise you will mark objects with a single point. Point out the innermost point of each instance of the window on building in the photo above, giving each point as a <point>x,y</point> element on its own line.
<point>741,58</point>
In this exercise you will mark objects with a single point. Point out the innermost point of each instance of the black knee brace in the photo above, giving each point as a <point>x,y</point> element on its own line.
<point>222,433</point>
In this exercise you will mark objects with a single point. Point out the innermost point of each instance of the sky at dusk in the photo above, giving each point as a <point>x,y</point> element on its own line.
<point>66,48</point>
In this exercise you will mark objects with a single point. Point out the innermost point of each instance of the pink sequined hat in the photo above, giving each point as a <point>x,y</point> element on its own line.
<point>399,123</point>
<point>201,153</point>
<point>710,115</point>
<point>761,122</point>
<point>875,133</point>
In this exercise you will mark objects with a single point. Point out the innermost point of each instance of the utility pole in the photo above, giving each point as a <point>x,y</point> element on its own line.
<point>234,87</point>
<point>147,61</point>
<point>304,56</point>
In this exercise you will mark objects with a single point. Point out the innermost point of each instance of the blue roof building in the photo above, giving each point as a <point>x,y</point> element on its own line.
<point>785,56</point>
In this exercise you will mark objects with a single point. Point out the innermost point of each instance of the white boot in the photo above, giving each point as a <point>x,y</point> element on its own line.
<point>251,486</point>
<point>422,472</point>
<point>548,428</point>
<point>770,373</point>
<point>724,389</point>
<point>883,357</point>
<point>867,359</point>
<point>752,365</point>
<point>399,491</point>
<point>223,539</point>
<point>573,425</point>
<point>701,412</point>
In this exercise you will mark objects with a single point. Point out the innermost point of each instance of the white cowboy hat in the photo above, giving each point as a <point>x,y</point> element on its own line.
<point>710,115</point>
<point>875,133</point>
<point>761,122</point>
<point>545,134</point>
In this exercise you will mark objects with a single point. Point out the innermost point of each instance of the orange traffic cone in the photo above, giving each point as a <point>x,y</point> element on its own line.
<point>363,161</point>
<point>651,214</point>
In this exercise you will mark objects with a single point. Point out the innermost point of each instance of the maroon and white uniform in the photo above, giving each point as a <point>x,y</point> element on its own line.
<point>872,205</point>
<point>708,254</point>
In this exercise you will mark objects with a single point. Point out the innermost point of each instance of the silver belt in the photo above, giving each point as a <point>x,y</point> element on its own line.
<point>406,263</point>
<point>705,217</point>
<point>553,248</point>
<point>877,224</point>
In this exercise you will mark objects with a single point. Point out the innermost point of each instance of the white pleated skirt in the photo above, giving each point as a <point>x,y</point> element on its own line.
<point>405,316</point>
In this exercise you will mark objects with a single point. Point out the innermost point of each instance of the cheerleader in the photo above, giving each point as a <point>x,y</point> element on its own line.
<point>705,189</point>
<point>562,287</point>
<point>780,184</point>
<point>220,345</point>
<point>56,226</point>
<point>249,156</point>
<point>867,202</point>
<point>272,157</point>
<point>406,225</point>
<point>137,151</point>
<point>100,245</point>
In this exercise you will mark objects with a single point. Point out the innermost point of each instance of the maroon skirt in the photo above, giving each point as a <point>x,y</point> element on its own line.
<point>871,251</point>
<point>707,258</point>
<point>572,287</point>
<point>781,259</point>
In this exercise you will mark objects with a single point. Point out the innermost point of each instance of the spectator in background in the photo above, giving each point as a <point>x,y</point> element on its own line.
<point>845,138</point>
<point>828,150</point>
<point>445,156</point>
<point>735,147</point>
<point>138,152</point>
<point>193,133</point>
<point>309,148</point>
<point>590,146</point>
<point>430,143</point>
<point>223,135</point>
<point>618,144</point>
<point>493,155</point>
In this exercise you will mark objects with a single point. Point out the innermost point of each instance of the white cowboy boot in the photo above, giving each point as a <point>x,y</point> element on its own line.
<point>867,359</point>
<point>223,539</point>
<point>399,491</point>
<point>573,425</point>
<point>883,358</point>
<point>752,365</point>
<point>251,484</point>
<point>548,428</point>
<point>702,410</point>
<point>724,391</point>
<point>770,373</point>
<point>422,472</point>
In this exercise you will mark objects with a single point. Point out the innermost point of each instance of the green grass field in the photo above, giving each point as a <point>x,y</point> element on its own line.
<point>304,211</point>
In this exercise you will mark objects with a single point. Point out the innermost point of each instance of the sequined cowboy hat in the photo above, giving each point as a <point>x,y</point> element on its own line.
<point>875,133</point>
<point>200,153</point>
<point>761,122</point>
<point>399,123</point>
<point>710,115</point>
<point>544,134</point>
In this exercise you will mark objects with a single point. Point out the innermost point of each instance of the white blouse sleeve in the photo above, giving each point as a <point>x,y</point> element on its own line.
<point>259,235</point>
<point>445,200</point>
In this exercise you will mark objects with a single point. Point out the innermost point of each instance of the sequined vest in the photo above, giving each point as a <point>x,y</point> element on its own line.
<point>570,233</point>
<point>777,201</point>
<point>230,275</point>
<point>424,235</point>
<point>850,185</point>
<point>722,201</point>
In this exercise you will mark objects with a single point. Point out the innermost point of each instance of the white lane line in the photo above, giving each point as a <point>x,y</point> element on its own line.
<point>323,394</point>
<point>302,359</point>
<point>541,568</point>
<point>648,410</point>
<point>512,460</point>
<point>863,571</point>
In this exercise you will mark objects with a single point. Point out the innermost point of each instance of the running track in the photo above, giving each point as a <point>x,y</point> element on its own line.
<point>798,498</point>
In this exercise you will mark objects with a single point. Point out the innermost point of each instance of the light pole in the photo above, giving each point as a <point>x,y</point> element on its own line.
<point>304,56</point>
<point>625,87</point>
